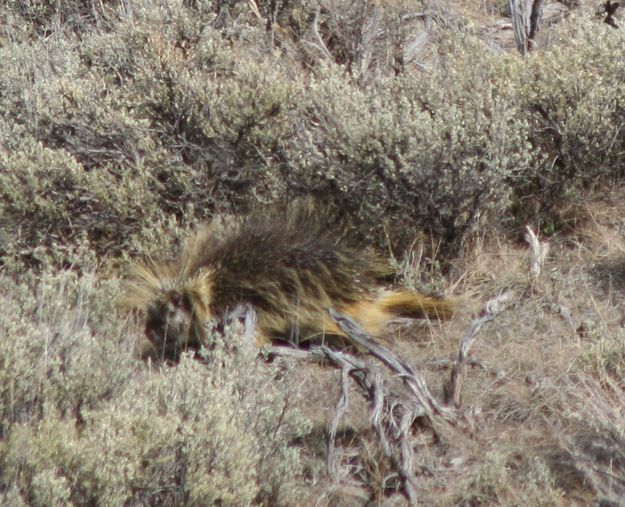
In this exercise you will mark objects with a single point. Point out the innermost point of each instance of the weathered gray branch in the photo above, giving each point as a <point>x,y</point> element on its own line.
<point>454,386</point>
<point>415,383</point>
<point>526,16</point>
<point>391,413</point>
<point>320,44</point>
<point>342,405</point>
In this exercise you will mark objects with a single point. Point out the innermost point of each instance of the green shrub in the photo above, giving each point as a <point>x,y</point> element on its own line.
<point>114,136</point>
<point>40,18</point>
<point>421,153</point>
<point>50,204</point>
<point>574,99</point>
<point>85,423</point>
<point>176,113</point>
<point>53,358</point>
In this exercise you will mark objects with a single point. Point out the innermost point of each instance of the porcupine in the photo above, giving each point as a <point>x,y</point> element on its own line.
<point>289,266</point>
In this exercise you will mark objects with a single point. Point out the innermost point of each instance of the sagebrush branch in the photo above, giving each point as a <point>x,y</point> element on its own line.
<point>453,388</point>
<point>540,250</point>
<point>415,383</point>
<point>392,413</point>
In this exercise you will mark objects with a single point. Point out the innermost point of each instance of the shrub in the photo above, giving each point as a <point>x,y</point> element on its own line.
<point>84,423</point>
<point>40,18</point>
<point>121,133</point>
<point>574,98</point>
<point>420,153</point>
<point>52,360</point>
<point>176,113</point>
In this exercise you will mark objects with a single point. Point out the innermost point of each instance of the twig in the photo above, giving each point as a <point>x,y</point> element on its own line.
<point>321,46</point>
<point>540,250</point>
<point>453,387</point>
<point>338,414</point>
<point>394,437</point>
<point>416,384</point>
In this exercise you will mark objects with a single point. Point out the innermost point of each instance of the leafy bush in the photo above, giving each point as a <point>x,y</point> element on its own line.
<point>52,360</point>
<point>574,99</point>
<point>422,153</point>
<point>164,114</point>
<point>84,423</point>
<point>40,18</point>
<point>123,132</point>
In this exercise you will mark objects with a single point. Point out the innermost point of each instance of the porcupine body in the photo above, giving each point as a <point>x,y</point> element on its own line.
<point>289,266</point>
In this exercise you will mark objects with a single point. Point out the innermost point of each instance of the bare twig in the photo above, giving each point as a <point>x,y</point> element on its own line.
<point>526,15</point>
<point>540,250</point>
<point>415,383</point>
<point>338,414</point>
<point>454,386</point>
<point>321,45</point>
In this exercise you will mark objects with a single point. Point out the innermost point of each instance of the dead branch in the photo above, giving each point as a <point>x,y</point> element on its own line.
<point>540,250</point>
<point>320,44</point>
<point>435,412</point>
<point>338,414</point>
<point>454,386</point>
<point>526,15</point>
<point>392,414</point>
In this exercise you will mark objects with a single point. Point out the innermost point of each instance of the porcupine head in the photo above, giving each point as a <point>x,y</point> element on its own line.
<point>175,307</point>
